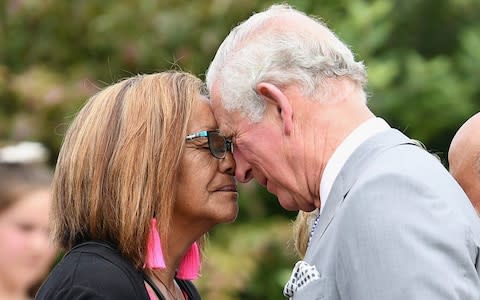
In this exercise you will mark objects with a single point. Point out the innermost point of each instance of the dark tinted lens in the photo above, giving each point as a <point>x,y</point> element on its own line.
<point>216,142</point>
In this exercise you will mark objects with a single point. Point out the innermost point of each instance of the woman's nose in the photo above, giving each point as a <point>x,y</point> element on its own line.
<point>227,164</point>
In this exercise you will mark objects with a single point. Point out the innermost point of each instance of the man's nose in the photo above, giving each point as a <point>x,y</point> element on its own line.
<point>243,171</point>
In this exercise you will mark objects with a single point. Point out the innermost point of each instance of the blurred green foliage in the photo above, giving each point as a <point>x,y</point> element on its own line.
<point>422,58</point>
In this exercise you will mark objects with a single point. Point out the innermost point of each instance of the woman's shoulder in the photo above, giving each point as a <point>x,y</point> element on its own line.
<point>188,289</point>
<point>96,267</point>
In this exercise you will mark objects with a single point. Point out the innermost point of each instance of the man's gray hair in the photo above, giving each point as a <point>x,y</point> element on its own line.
<point>277,57</point>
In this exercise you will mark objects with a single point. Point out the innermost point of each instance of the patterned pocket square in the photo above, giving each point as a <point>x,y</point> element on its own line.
<point>302,275</point>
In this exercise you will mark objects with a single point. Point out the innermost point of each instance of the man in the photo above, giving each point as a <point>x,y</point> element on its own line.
<point>464,159</point>
<point>393,224</point>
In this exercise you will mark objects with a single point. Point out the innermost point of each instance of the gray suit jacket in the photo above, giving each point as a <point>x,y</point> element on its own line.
<point>396,225</point>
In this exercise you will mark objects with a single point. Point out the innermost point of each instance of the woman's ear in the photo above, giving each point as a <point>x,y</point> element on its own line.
<point>273,94</point>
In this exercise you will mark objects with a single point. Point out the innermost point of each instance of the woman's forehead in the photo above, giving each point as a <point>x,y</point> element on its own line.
<point>202,116</point>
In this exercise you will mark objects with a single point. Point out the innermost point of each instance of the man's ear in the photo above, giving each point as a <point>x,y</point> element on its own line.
<point>274,95</point>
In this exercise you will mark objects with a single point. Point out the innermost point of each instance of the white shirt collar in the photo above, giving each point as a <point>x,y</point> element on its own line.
<point>340,156</point>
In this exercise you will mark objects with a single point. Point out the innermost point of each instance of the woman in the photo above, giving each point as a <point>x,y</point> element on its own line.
<point>26,252</point>
<point>141,177</point>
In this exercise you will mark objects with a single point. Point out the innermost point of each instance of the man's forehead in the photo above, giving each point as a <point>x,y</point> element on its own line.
<point>229,122</point>
<point>226,121</point>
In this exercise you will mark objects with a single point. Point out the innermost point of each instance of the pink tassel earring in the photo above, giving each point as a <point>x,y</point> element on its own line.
<point>154,258</point>
<point>189,268</point>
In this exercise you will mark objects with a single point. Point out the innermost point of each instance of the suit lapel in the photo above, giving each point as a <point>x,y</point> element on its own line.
<point>352,169</point>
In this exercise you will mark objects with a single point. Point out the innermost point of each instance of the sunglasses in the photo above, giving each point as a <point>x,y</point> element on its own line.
<point>217,143</point>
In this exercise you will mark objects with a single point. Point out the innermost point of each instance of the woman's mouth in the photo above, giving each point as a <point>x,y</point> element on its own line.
<point>228,188</point>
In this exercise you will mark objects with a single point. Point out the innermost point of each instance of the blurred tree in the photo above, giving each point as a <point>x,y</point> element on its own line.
<point>421,55</point>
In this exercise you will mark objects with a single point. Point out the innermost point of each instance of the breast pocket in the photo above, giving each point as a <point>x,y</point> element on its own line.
<point>320,289</point>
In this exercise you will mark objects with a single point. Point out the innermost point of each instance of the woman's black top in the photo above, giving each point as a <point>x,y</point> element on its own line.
<point>97,270</point>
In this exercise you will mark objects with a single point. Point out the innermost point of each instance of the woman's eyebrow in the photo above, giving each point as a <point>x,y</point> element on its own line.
<point>206,128</point>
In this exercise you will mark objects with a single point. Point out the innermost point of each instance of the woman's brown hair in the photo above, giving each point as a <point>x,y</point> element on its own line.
<point>118,163</point>
<point>302,227</point>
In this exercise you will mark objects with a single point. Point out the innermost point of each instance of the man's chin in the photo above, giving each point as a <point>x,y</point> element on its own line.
<point>308,208</point>
<point>288,204</point>
<point>292,205</point>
